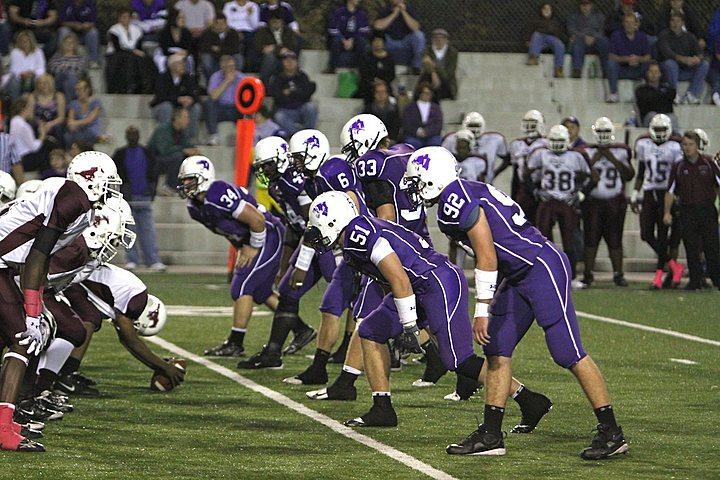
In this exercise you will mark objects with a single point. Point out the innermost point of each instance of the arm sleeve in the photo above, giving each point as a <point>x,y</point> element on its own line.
<point>378,192</point>
<point>380,250</point>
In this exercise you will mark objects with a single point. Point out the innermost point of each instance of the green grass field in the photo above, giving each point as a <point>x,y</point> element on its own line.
<point>212,427</point>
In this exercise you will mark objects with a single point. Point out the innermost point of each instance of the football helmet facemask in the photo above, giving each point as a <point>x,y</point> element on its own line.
<point>559,138</point>
<point>604,131</point>
<point>272,158</point>
<point>105,232</point>
<point>533,124</point>
<point>660,128</point>
<point>474,122</point>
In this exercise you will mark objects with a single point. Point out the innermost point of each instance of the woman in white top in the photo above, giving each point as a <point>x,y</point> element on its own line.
<point>34,150</point>
<point>27,62</point>
<point>128,69</point>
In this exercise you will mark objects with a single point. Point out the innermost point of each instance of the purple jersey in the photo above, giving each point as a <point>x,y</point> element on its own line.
<point>517,242</point>
<point>389,166</point>
<point>336,175</point>
<point>288,192</point>
<point>219,211</point>
<point>416,255</point>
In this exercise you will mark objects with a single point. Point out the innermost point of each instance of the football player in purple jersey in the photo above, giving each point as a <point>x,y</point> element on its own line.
<point>232,212</point>
<point>425,290</point>
<point>535,285</point>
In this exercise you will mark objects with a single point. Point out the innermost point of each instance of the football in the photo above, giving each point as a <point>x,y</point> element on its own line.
<point>160,382</point>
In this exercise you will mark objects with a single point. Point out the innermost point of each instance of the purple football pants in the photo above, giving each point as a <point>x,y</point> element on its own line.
<point>322,266</point>
<point>257,278</point>
<point>543,294</point>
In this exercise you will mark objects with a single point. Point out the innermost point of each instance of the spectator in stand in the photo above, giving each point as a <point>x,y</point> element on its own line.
<point>171,143</point>
<point>175,38</point>
<point>136,167</point>
<point>288,15</point>
<point>199,15</point>
<point>348,31</point>
<point>58,165</point>
<point>80,18</point>
<point>219,106</point>
<point>218,41</point>
<point>27,62</point>
<point>682,59</point>
<point>39,17</point>
<point>176,88</point>
<point>385,108</point>
<point>403,37</point>
<point>379,65</point>
<point>614,22</point>
<point>128,68</point>
<point>272,42</point>
<point>265,126</point>
<point>692,20</point>
<point>292,90</point>
<point>655,97</point>
<point>422,120</point>
<point>714,73</point>
<point>68,65</point>
<point>48,107</point>
<point>10,161</point>
<point>33,150</point>
<point>545,30</point>
<point>5,32</point>
<point>573,125</point>
<point>150,16</point>
<point>243,16</point>
<point>629,55</point>
<point>439,65</point>
<point>586,29</point>
<point>84,117</point>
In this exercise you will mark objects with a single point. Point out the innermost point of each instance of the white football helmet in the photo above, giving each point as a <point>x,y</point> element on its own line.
<point>152,319</point>
<point>474,122</point>
<point>128,237</point>
<point>197,168</point>
<point>704,139</point>
<point>660,128</point>
<point>8,188</point>
<point>465,134</point>
<point>361,134</point>
<point>28,188</point>
<point>96,174</point>
<point>309,148</point>
<point>559,138</point>
<point>428,172</point>
<point>272,158</point>
<point>105,232</point>
<point>329,214</point>
<point>604,131</point>
<point>533,124</point>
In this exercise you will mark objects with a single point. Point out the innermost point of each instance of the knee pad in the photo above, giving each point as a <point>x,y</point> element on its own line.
<point>471,367</point>
<point>16,356</point>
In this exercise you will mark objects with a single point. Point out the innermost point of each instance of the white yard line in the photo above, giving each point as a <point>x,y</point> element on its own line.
<point>195,311</point>
<point>637,326</point>
<point>333,425</point>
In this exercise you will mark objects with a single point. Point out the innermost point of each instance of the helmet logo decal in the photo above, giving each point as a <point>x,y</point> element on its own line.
<point>204,163</point>
<point>422,161</point>
<point>88,174</point>
<point>313,142</point>
<point>357,126</point>
<point>321,209</point>
<point>154,316</point>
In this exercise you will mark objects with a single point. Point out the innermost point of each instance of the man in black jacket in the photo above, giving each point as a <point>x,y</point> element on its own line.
<point>654,97</point>
<point>176,88</point>
<point>292,89</point>
<point>218,41</point>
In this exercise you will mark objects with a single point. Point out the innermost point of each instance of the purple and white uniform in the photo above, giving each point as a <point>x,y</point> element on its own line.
<point>440,287</point>
<point>219,212</point>
<point>289,192</point>
<point>536,275</point>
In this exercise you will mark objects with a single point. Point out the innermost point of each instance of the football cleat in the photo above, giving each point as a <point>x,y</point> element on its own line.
<point>334,392</point>
<point>226,349</point>
<point>619,280</point>
<point>452,397</point>
<point>13,441</point>
<point>533,413</point>
<point>26,422</point>
<point>605,444</point>
<point>67,385</point>
<point>80,378</point>
<point>29,433</point>
<point>54,402</point>
<point>479,442</point>
<point>300,340</point>
<point>420,383</point>
<point>35,410</point>
<point>262,359</point>
<point>313,375</point>
<point>376,417</point>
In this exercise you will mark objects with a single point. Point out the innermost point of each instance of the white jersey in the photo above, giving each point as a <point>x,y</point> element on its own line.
<point>70,265</point>
<point>242,19</point>
<point>558,173</point>
<point>488,146</point>
<point>111,288</point>
<point>658,161</point>
<point>610,184</point>
<point>62,207</point>
<point>473,168</point>
<point>520,150</point>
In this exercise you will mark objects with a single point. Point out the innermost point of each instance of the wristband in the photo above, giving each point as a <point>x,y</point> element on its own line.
<point>33,302</point>
<point>407,310</point>
<point>634,196</point>
<point>485,284</point>
<point>304,258</point>
<point>481,309</point>
<point>257,239</point>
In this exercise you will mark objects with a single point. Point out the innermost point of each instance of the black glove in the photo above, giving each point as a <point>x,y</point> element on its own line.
<point>409,341</point>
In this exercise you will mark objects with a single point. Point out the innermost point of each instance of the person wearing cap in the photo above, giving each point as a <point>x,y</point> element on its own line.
<point>629,55</point>
<point>573,125</point>
<point>272,42</point>
<point>439,65</point>
<point>403,37</point>
<point>586,29</point>
<point>173,89</point>
<point>292,89</point>
<point>348,30</point>
<point>614,21</point>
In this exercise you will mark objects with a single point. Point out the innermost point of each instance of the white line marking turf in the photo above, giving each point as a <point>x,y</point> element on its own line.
<point>333,425</point>
<point>684,361</point>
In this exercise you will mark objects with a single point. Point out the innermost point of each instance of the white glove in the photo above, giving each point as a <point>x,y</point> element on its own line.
<point>32,336</point>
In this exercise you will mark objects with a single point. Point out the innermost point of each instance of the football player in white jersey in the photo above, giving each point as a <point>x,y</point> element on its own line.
<point>656,154</point>
<point>560,175</point>
<point>604,208</point>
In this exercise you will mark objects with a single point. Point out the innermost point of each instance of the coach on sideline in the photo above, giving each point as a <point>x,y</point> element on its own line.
<point>694,182</point>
